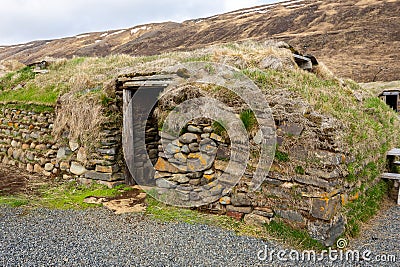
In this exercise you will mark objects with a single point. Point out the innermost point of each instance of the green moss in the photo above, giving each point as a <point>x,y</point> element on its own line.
<point>281,156</point>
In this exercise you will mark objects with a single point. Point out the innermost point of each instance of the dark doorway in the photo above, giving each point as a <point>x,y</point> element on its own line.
<point>391,100</point>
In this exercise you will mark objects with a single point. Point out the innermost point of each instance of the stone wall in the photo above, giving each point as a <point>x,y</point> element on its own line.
<point>27,142</point>
<point>305,187</point>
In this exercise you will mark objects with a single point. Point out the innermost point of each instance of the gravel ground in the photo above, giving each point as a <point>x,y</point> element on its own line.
<point>99,238</point>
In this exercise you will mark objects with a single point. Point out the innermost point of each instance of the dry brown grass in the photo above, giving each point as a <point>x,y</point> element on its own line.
<point>81,117</point>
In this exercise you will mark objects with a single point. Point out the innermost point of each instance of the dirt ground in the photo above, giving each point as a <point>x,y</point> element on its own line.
<point>15,182</point>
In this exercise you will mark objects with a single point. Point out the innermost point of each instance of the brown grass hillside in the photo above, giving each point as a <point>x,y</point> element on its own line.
<point>357,39</point>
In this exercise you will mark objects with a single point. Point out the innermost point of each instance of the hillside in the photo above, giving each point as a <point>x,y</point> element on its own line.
<point>357,39</point>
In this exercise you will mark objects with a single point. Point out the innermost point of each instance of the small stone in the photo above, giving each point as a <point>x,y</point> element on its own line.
<point>264,211</point>
<point>48,167</point>
<point>209,177</point>
<point>199,162</point>
<point>181,157</point>
<point>73,145</point>
<point>239,209</point>
<point>41,147</point>
<point>37,168</point>
<point>293,129</point>
<point>180,178</point>
<point>46,173</point>
<point>188,138</point>
<point>17,153</point>
<point>193,129</point>
<point>205,135</point>
<point>209,172</point>
<point>225,200</point>
<point>177,143</point>
<point>207,129</point>
<point>67,177</point>
<point>235,215</point>
<point>195,175</point>
<point>240,199</point>
<point>208,146</point>
<point>159,175</point>
<point>33,145</point>
<point>162,183</point>
<point>194,147</point>
<point>81,156</point>
<point>107,151</point>
<point>14,143</point>
<point>164,166</point>
<point>64,166</point>
<point>254,219</point>
<point>258,138</point>
<point>195,182</point>
<point>29,167</point>
<point>25,146</point>
<point>223,153</point>
<point>77,169</point>
<point>10,152</point>
<point>61,153</point>
<point>172,149</point>
<point>325,208</point>
<point>107,169</point>
<point>185,149</point>
<point>290,215</point>
<point>216,137</point>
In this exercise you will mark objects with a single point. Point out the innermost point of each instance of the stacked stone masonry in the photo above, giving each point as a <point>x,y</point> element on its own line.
<point>27,142</point>
<point>306,184</point>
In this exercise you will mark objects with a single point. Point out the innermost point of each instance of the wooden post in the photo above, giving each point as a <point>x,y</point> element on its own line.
<point>127,136</point>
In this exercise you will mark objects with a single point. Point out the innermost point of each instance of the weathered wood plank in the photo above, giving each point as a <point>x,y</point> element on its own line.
<point>398,197</point>
<point>391,176</point>
<point>127,136</point>
<point>394,152</point>
<point>146,83</point>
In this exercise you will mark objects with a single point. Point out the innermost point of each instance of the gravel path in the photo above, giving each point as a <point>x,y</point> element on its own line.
<point>100,238</point>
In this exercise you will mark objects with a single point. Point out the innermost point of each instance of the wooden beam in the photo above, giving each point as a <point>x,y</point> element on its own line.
<point>127,136</point>
<point>391,176</point>
<point>394,152</point>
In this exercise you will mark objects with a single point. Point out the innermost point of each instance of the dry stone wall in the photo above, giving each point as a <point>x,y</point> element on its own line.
<point>306,184</point>
<point>27,142</point>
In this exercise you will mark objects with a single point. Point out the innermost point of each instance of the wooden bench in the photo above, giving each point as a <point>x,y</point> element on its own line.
<point>396,177</point>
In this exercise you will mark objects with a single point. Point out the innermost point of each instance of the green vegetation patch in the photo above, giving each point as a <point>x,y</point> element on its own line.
<point>13,79</point>
<point>364,208</point>
<point>295,237</point>
<point>30,107</point>
<point>63,196</point>
<point>249,120</point>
